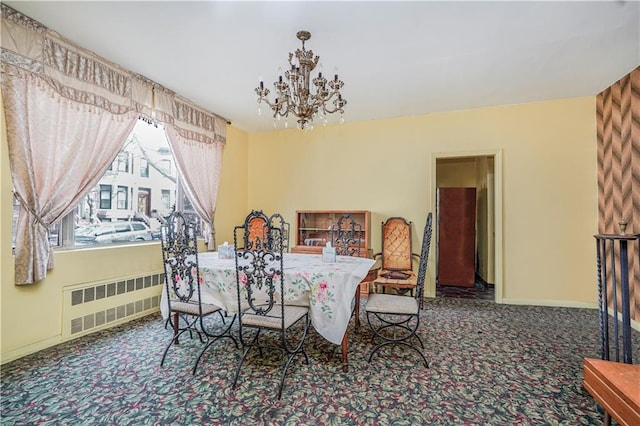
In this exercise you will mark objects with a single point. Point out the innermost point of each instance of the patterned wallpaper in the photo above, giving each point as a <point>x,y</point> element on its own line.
<point>618,124</point>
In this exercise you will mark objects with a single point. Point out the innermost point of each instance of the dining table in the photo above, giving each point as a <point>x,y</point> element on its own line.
<point>327,288</point>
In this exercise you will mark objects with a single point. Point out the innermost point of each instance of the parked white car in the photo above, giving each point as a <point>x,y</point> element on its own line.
<point>113,232</point>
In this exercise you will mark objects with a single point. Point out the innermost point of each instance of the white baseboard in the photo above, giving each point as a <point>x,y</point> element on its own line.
<point>554,303</point>
<point>29,349</point>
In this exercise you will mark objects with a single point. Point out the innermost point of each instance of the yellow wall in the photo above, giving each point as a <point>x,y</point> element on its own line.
<point>457,173</point>
<point>232,196</point>
<point>31,316</point>
<point>550,201</point>
<point>549,176</point>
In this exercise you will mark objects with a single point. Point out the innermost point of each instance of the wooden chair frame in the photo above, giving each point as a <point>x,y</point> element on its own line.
<point>397,257</point>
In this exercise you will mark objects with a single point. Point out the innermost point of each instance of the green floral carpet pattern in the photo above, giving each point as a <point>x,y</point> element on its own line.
<point>489,365</point>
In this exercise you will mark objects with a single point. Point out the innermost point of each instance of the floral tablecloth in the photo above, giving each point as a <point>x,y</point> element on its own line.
<point>327,288</point>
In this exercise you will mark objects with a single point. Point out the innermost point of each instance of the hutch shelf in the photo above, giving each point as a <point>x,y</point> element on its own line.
<point>314,229</point>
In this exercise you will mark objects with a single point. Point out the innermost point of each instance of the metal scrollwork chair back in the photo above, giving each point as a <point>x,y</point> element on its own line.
<point>182,281</point>
<point>256,229</point>
<point>276,221</point>
<point>394,319</point>
<point>261,303</point>
<point>346,236</point>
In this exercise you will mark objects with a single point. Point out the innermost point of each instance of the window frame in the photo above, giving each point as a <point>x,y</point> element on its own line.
<point>167,204</point>
<point>122,161</point>
<point>144,168</point>
<point>122,189</point>
<point>103,190</point>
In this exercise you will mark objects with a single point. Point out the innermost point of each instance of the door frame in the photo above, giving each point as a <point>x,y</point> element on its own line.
<point>430,285</point>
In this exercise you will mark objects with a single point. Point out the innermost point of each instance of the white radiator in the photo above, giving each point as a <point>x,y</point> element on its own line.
<point>95,306</point>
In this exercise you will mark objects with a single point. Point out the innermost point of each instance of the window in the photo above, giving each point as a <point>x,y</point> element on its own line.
<point>141,202</point>
<point>105,196</point>
<point>137,226</point>
<point>122,227</point>
<point>166,199</point>
<point>165,166</point>
<point>144,168</point>
<point>122,197</point>
<point>122,162</point>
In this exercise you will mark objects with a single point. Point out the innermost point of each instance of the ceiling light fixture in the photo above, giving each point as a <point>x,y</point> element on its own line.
<point>293,90</point>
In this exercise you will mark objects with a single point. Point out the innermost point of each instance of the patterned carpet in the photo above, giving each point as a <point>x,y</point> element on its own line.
<point>489,364</point>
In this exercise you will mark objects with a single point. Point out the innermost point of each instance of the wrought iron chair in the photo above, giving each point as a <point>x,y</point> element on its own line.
<point>256,229</point>
<point>346,236</point>
<point>260,285</point>
<point>182,281</point>
<point>397,257</point>
<point>277,221</point>
<point>395,318</point>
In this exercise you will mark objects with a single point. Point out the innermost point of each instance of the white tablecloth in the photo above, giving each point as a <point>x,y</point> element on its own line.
<point>327,288</point>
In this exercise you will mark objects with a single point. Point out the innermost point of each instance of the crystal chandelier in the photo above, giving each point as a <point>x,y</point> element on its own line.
<point>293,91</point>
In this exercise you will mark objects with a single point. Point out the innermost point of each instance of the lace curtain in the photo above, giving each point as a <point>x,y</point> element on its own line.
<point>199,165</point>
<point>68,113</point>
<point>53,166</point>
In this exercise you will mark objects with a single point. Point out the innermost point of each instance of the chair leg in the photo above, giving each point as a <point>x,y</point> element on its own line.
<point>284,373</point>
<point>176,326</point>
<point>246,347</point>
<point>402,340</point>
<point>381,345</point>
<point>299,349</point>
<point>226,333</point>
<point>211,342</point>
<point>244,355</point>
<point>174,340</point>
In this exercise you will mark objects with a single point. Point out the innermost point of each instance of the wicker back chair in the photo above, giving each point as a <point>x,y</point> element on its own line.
<point>397,257</point>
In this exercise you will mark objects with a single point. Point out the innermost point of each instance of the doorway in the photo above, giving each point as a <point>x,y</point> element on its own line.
<point>481,170</point>
<point>144,201</point>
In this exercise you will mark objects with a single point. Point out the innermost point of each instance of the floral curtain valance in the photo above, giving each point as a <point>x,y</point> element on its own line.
<point>80,75</point>
<point>68,112</point>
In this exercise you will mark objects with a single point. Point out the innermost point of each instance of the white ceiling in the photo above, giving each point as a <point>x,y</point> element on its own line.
<point>396,58</point>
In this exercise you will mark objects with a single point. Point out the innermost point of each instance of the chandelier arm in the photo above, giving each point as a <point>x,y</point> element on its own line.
<point>329,96</point>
